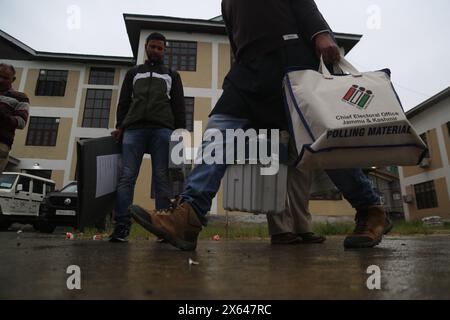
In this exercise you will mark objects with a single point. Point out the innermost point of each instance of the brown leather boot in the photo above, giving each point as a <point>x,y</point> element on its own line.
<point>371,224</point>
<point>179,226</point>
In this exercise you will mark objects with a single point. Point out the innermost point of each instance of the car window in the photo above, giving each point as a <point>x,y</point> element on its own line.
<point>38,186</point>
<point>7,181</point>
<point>71,188</point>
<point>25,182</point>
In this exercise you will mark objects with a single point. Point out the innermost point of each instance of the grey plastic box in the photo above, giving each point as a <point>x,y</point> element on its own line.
<point>246,190</point>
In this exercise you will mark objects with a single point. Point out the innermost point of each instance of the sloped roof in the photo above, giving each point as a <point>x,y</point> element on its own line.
<point>135,23</point>
<point>32,54</point>
<point>428,103</point>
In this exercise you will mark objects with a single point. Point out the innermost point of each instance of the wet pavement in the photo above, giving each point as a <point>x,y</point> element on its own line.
<point>34,266</point>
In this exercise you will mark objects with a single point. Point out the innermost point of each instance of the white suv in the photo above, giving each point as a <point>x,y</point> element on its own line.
<point>20,197</point>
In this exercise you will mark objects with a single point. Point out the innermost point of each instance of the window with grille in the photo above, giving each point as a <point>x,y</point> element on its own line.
<point>42,131</point>
<point>97,108</point>
<point>51,83</point>
<point>189,103</point>
<point>102,76</point>
<point>426,195</point>
<point>181,55</point>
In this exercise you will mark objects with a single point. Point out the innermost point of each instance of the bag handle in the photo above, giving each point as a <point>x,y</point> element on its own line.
<point>343,64</point>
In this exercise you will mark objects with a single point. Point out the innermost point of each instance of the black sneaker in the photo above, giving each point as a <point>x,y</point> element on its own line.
<point>120,234</point>
<point>285,238</point>
<point>311,238</point>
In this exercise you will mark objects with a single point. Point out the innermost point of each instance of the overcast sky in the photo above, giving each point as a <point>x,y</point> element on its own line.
<point>411,37</point>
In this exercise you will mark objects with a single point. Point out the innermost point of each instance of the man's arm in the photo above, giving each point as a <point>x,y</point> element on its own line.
<point>126,95</point>
<point>177,101</point>
<point>21,114</point>
<point>19,117</point>
<point>313,25</point>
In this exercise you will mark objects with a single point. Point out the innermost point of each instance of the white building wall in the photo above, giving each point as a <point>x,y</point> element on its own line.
<point>63,112</point>
<point>432,118</point>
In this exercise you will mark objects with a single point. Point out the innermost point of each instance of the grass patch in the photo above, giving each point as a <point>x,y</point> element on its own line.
<point>233,231</point>
<point>417,227</point>
<point>236,230</point>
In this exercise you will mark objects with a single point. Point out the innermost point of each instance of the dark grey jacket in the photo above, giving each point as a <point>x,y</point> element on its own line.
<point>256,27</point>
<point>151,97</point>
<point>268,37</point>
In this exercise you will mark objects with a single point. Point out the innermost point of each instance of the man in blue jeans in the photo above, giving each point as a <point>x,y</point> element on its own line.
<point>266,40</point>
<point>151,106</point>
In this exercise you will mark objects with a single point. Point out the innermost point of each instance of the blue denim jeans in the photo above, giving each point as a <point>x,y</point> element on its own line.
<point>135,144</point>
<point>204,181</point>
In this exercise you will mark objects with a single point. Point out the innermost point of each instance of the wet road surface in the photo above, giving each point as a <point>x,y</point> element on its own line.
<point>34,266</point>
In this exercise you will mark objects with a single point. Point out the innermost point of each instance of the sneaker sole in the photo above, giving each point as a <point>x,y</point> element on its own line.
<point>136,212</point>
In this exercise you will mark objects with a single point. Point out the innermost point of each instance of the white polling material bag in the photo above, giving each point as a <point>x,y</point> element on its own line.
<point>349,121</point>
